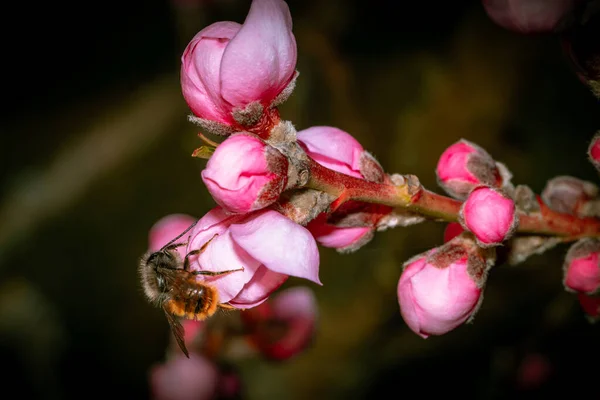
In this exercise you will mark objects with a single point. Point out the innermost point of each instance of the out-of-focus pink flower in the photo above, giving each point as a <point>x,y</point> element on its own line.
<point>490,215</point>
<point>269,246</point>
<point>590,305</point>
<point>181,378</point>
<point>453,229</point>
<point>594,150</point>
<point>528,16</point>
<point>228,66</point>
<point>245,174</point>
<point>582,266</point>
<point>442,288</point>
<point>533,371</point>
<point>285,325</point>
<point>167,229</point>
<point>332,148</point>
<point>463,166</point>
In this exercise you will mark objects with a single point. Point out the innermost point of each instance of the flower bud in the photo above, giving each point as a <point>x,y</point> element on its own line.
<point>528,16</point>
<point>590,305</point>
<point>343,239</point>
<point>442,288</point>
<point>168,228</point>
<point>594,151</point>
<point>231,73</point>
<point>490,215</point>
<point>183,378</point>
<point>452,230</point>
<point>567,194</point>
<point>582,267</point>
<point>463,166</point>
<point>245,174</point>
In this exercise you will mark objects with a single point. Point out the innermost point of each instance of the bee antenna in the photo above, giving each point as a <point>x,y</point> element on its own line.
<point>180,235</point>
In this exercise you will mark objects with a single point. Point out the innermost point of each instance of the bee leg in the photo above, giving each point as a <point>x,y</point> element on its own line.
<point>174,246</point>
<point>226,306</point>
<point>186,261</point>
<point>217,273</point>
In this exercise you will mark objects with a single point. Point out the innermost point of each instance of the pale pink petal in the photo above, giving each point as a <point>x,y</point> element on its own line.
<point>200,71</point>
<point>260,60</point>
<point>167,229</point>
<point>181,378</point>
<point>257,290</point>
<point>406,296</point>
<point>333,148</point>
<point>279,244</point>
<point>337,238</point>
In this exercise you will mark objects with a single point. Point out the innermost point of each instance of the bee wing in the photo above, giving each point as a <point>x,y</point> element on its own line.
<point>178,332</point>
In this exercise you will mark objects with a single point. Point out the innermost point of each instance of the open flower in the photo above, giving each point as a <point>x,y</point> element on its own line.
<point>231,73</point>
<point>245,174</point>
<point>283,326</point>
<point>268,246</point>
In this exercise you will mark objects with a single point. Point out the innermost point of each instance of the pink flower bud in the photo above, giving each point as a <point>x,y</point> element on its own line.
<point>590,305</point>
<point>442,288</point>
<point>183,378</point>
<point>332,148</point>
<point>594,150</point>
<point>167,229</point>
<point>283,326</point>
<point>582,267</point>
<point>245,174</point>
<point>268,246</point>
<point>344,239</point>
<point>567,194</point>
<point>490,215</point>
<point>528,16</point>
<point>463,166</point>
<point>452,230</point>
<point>228,67</point>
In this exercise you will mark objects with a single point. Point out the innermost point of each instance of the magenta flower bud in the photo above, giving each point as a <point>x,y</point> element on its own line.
<point>490,215</point>
<point>442,288</point>
<point>463,166</point>
<point>528,16</point>
<point>582,267</point>
<point>167,229</point>
<point>268,246</point>
<point>452,230</point>
<point>245,174</point>
<point>230,72</point>
<point>283,326</point>
<point>567,194</point>
<point>594,150</point>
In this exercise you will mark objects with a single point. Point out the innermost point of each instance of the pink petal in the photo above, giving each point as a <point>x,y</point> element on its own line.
<point>257,290</point>
<point>167,229</point>
<point>279,243</point>
<point>333,148</point>
<point>200,71</point>
<point>337,238</point>
<point>260,60</point>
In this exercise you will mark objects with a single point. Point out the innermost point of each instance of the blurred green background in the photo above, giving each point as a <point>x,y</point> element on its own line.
<point>96,148</point>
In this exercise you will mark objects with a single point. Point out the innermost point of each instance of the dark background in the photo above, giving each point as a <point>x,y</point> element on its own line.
<point>96,148</point>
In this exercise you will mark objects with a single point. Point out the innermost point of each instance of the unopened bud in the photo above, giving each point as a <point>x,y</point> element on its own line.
<point>490,215</point>
<point>590,306</point>
<point>245,174</point>
<point>582,267</point>
<point>442,288</point>
<point>567,194</point>
<point>452,230</point>
<point>594,151</point>
<point>464,166</point>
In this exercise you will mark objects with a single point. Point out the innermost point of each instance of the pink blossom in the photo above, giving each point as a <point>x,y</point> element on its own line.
<point>332,148</point>
<point>528,16</point>
<point>463,166</point>
<point>268,246</point>
<point>440,289</point>
<point>533,371</point>
<point>245,174</point>
<point>582,266</point>
<point>181,378</point>
<point>490,215</point>
<point>228,66</point>
<point>283,326</point>
<point>452,230</point>
<point>167,229</point>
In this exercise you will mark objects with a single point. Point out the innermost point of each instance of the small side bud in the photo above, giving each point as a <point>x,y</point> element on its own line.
<point>443,288</point>
<point>490,215</point>
<point>464,166</point>
<point>594,151</point>
<point>525,199</point>
<point>245,174</point>
<point>370,168</point>
<point>567,194</point>
<point>582,267</point>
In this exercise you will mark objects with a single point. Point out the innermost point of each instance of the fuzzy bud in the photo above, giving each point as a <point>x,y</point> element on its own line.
<point>442,288</point>
<point>570,195</point>
<point>465,165</point>
<point>245,174</point>
<point>594,151</point>
<point>490,215</point>
<point>582,267</point>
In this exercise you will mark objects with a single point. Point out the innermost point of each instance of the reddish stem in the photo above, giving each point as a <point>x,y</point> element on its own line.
<point>412,196</point>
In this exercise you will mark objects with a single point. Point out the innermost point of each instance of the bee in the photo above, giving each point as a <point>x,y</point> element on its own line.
<point>168,283</point>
